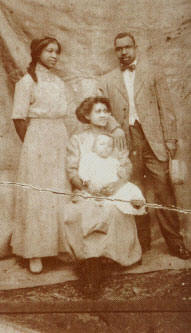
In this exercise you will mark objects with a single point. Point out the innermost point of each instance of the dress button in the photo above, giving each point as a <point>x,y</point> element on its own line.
<point>134,152</point>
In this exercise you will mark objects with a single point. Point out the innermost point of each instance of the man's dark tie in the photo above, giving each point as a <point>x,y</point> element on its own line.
<point>130,67</point>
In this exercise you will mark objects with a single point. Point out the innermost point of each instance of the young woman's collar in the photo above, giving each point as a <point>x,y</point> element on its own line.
<point>42,69</point>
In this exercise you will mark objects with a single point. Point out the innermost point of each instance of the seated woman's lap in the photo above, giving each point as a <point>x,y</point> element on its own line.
<point>94,229</point>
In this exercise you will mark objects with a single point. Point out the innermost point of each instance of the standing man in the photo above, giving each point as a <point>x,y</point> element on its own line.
<point>141,104</point>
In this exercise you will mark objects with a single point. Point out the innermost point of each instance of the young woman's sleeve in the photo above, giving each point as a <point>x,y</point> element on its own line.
<point>63,96</point>
<point>73,157</point>
<point>22,98</point>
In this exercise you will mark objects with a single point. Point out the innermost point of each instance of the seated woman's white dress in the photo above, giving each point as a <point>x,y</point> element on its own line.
<point>42,164</point>
<point>99,172</point>
<point>91,228</point>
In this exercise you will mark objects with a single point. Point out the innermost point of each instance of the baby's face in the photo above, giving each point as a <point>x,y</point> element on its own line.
<point>104,146</point>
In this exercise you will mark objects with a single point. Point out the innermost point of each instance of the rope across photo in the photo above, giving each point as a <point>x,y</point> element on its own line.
<point>59,192</point>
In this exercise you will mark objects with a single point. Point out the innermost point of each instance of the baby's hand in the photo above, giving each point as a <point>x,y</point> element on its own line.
<point>93,188</point>
<point>109,189</point>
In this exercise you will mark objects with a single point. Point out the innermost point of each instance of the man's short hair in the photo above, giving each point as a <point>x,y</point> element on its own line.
<point>124,34</point>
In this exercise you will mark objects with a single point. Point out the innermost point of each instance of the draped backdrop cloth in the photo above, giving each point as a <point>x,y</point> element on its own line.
<point>86,29</point>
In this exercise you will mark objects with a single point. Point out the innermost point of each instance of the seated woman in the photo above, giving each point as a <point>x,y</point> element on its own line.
<point>96,228</point>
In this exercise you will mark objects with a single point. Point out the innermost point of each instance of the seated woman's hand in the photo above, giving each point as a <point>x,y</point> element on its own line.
<point>124,173</point>
<point>77,182</point>
<point>137,204</point>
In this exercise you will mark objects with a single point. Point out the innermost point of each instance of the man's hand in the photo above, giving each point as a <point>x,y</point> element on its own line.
<point>119,138</point>
<point>172,148</point>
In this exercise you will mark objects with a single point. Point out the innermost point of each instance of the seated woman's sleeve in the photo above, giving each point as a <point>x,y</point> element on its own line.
<point>73,157</point>
<point>22,97</point>
<point>125,165</point>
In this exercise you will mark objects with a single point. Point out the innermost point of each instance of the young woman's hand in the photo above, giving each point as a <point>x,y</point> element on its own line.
<point>172,148</point>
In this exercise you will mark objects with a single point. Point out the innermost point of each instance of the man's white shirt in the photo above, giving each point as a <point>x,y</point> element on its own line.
<point>129,78</point>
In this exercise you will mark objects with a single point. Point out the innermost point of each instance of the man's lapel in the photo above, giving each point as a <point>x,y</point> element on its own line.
<point>119,83</point>
<point>140,78</point>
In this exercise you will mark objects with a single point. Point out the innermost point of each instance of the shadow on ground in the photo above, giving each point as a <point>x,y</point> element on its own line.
<point>152,302</point>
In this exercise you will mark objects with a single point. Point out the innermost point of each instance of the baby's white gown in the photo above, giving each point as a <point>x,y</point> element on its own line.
<point>99,172</point>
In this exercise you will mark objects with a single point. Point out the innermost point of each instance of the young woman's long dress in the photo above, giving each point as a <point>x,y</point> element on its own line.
<point>42,164</point>
<point>92,229</point>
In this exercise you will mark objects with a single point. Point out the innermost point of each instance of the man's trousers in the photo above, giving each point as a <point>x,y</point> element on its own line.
<point>148,171</point>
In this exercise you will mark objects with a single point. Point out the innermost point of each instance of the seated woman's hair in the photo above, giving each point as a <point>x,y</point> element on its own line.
<point>37,46</point>
<point>85,108</point>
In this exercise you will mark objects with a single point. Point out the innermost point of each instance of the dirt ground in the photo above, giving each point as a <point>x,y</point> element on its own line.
<point>153,302</point>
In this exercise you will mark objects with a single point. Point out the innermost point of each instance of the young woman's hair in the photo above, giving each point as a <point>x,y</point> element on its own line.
<point>85,108</point>
<point>37,46</point>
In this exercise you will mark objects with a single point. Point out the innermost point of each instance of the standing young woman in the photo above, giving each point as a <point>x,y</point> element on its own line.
<point>38,113</point>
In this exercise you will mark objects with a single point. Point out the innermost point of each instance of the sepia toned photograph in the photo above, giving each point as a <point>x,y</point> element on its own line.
<point>95,166</point>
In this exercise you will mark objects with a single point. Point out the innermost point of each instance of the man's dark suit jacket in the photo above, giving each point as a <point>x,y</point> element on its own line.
<point>152,101</point>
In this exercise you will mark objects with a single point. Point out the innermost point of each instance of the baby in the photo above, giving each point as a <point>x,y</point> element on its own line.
<point>101,167</point>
